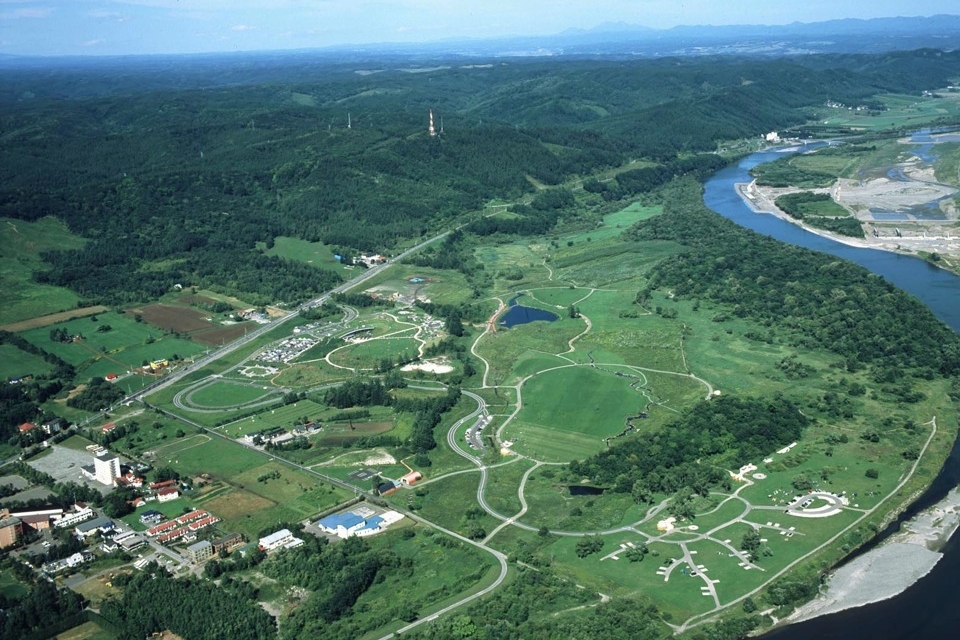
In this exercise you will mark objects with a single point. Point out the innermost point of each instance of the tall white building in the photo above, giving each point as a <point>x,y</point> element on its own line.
<point>106,469</point>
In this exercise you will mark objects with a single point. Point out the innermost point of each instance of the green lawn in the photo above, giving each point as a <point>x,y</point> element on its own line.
<point>226,394</point>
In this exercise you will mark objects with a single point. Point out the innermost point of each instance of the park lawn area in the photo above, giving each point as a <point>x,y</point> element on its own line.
<point>614,224</point>
<point>680,596</point>
<point>228,394</point>
<point>15,363</point>
<point>550,504</point>
<point>582,400</point>
<point>533,362</point>
<point>10,587</point>
<point>505,346</point>
<point>734,580</point>
<point>503,481</point>
<point>368,354</point>
<point>719,515</point>
<point>557,297</point>
<point>548,444</point>
<point>76,443</point>
<point>21,246</point>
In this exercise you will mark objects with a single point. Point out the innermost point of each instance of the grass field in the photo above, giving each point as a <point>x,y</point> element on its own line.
<point>616,223</point>
<point>86,631</point>
<point>576,406</point>
<point>15,363</point>
<point>228,395</point>
<point>366,355</point>
<point>21,244</point>
<point>316,253</point>
<point>10,587</point>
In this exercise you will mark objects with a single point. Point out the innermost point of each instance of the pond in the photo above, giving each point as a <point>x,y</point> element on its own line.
<point>583,490</point>
<point>518,314</point>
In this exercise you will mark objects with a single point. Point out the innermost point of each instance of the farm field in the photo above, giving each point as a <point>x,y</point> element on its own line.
<point>15,363</point>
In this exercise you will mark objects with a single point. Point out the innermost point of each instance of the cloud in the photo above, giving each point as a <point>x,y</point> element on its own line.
<point>39,12</point>
<point>103,14</point>
<point>242,27</point>
<point>93,43</point>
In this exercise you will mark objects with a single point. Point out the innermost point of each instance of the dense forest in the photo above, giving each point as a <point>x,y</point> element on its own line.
<point>179,184</point>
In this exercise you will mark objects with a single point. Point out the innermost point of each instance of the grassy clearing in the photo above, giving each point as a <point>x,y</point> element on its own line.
<point>614,224</point>
<point>21,244</point>
<point>10,587</point>
<point>86,631</point>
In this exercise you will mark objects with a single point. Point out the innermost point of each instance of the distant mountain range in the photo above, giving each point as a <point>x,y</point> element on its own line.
<point>622,39</point>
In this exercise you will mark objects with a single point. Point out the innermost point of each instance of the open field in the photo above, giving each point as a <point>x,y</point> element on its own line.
<point>368,354</point>
<point>86,631</point>
<point>227,395</point>
<point>21,244</point>
<point>15,363</point>
<point>616,223</point>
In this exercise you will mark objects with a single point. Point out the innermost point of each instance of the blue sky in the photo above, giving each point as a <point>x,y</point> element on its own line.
<point>112,27</point>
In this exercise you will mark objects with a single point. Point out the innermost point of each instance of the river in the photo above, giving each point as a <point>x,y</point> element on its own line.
<point>931,607</point>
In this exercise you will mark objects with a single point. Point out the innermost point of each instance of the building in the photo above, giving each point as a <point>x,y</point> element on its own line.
<point>412,477</point>
<point>200,551</point>
<point>10,531</point>
<point>228,542</point>
<point>351,523</point>
<point>97,525</point>
<point>26,427</point>
<point>282,539</point>
<point>106,469</point>
<point>130,542</point>
<point>70,519</point>
<point>167,494</point>
<point>151,517</point>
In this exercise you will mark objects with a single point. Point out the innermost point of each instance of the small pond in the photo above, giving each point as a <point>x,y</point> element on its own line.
<point>583,490</point>
<point>518,314</point>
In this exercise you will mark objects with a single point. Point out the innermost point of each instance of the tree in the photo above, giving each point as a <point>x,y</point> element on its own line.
<point>588,545</point>
<point>751,542</point>
<point>872,473</point>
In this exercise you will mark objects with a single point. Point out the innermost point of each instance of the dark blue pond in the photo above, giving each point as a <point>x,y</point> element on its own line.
<point>518,314</point>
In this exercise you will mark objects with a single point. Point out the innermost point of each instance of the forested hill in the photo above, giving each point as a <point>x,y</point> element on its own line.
<point>809,298</point>
<point>178,185</point>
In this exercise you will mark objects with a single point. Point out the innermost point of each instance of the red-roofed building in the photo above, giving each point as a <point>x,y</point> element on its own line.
<point>107,428</point>
<point>27,426</point>
<point>160,485</point>
<point>193,515</point>
<point>111,377</point>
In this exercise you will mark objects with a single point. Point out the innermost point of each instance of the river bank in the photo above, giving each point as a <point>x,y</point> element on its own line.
<point>891,568</point>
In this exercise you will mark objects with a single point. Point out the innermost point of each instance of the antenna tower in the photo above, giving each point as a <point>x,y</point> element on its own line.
<point>432,131</point>
<point>349,124</point>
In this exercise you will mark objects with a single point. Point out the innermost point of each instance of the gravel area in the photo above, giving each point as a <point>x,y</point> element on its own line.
<point>64,465</point>
<point>890,568</point>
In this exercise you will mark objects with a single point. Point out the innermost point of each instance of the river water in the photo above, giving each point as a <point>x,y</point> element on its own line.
<point>931,607</point>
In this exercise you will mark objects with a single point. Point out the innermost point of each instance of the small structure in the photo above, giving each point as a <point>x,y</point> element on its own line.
<point>79,515</point>
<point>411,478</point>
<point>26,427</point>
<point>667,524</point>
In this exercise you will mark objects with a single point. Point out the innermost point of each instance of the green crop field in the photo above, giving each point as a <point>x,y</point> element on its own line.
<point>286,416</point>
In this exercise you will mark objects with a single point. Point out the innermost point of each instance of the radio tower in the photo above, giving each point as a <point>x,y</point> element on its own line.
<point>432,131</point>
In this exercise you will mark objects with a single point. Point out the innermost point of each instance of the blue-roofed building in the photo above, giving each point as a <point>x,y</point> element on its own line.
<point>350,523</point>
